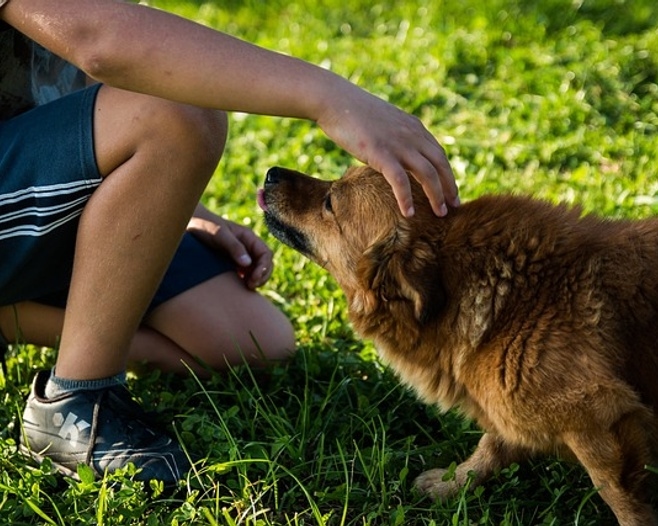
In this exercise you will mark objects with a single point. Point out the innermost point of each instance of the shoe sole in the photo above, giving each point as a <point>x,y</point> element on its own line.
<point>39,459</point>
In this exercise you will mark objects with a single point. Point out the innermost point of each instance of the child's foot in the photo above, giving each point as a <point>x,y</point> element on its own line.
<point>104,429</point>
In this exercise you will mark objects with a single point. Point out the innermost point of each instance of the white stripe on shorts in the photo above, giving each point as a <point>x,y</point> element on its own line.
<point>38,210</point>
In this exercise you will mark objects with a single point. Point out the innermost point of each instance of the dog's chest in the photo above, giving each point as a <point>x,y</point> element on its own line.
<point>432,379</point>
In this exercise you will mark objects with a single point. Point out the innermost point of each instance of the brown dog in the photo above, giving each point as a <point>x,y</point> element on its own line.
<point>540,324</point>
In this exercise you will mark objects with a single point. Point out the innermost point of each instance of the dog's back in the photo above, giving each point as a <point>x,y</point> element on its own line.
<point>556,322</point>
<point>606,269</point>
<point>565,274</point>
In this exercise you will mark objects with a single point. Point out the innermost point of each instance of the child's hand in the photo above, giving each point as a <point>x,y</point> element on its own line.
<point>248,251</point>
<point>393,143</point>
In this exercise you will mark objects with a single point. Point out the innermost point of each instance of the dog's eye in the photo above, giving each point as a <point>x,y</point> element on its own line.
<point>327,203</point>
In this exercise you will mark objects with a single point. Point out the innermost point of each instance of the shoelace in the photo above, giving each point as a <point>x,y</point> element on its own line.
<point>130,415</point>
<point>135,410</point>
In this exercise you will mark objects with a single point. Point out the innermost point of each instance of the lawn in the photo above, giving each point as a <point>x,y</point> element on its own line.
<point>553,98</point>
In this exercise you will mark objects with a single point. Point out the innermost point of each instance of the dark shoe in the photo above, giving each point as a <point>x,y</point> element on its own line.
<point>104,429</point>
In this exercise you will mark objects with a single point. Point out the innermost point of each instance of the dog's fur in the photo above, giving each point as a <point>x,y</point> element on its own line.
<point>537,322</point>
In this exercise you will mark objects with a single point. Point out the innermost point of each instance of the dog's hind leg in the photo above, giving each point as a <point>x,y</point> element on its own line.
<point>491,454</point>
<point>616,461</point>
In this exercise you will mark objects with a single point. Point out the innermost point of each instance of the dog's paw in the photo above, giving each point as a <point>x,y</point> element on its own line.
<point>432,483</point>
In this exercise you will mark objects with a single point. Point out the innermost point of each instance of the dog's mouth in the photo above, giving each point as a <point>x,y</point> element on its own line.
<point>288,234</point>
<point>260,198</point>
<point>284,232</point>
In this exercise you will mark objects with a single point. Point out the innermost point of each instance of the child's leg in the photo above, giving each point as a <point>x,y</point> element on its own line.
<point>213,321</point>
<point>222,322</point>
<point>147,162</point>
<point>156,158</point>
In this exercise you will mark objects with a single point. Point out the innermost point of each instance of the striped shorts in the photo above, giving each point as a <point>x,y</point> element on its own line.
<point>48,173</point>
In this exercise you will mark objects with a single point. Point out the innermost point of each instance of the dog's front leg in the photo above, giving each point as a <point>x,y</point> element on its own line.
<point>491,454</point>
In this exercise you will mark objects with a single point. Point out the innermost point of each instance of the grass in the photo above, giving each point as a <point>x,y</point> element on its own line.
<point>554,98</point>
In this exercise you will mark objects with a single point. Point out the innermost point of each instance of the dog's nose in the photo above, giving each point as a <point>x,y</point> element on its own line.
<point>273,175</point>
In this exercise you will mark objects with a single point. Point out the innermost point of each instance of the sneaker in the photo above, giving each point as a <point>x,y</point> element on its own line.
<point>104,429</point>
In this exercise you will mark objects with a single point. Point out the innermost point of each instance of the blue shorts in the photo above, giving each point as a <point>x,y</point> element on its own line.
<point>48,173</point>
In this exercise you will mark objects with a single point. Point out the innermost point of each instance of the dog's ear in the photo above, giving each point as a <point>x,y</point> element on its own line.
<point>395,268</point>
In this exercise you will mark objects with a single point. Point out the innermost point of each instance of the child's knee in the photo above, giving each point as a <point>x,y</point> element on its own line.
<point>126,123</point>
<point>271,336</point>
<point>281,341</point>
<point>197,133</point>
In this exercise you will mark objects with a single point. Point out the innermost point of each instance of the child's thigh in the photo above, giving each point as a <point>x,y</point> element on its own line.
<point>221,321</point>
<point>47,174</point>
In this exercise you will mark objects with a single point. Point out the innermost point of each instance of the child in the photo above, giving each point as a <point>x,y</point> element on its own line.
<point>105,246</point>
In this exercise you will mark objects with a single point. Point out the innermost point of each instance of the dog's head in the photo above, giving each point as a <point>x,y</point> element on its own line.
<point>352,226</point>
